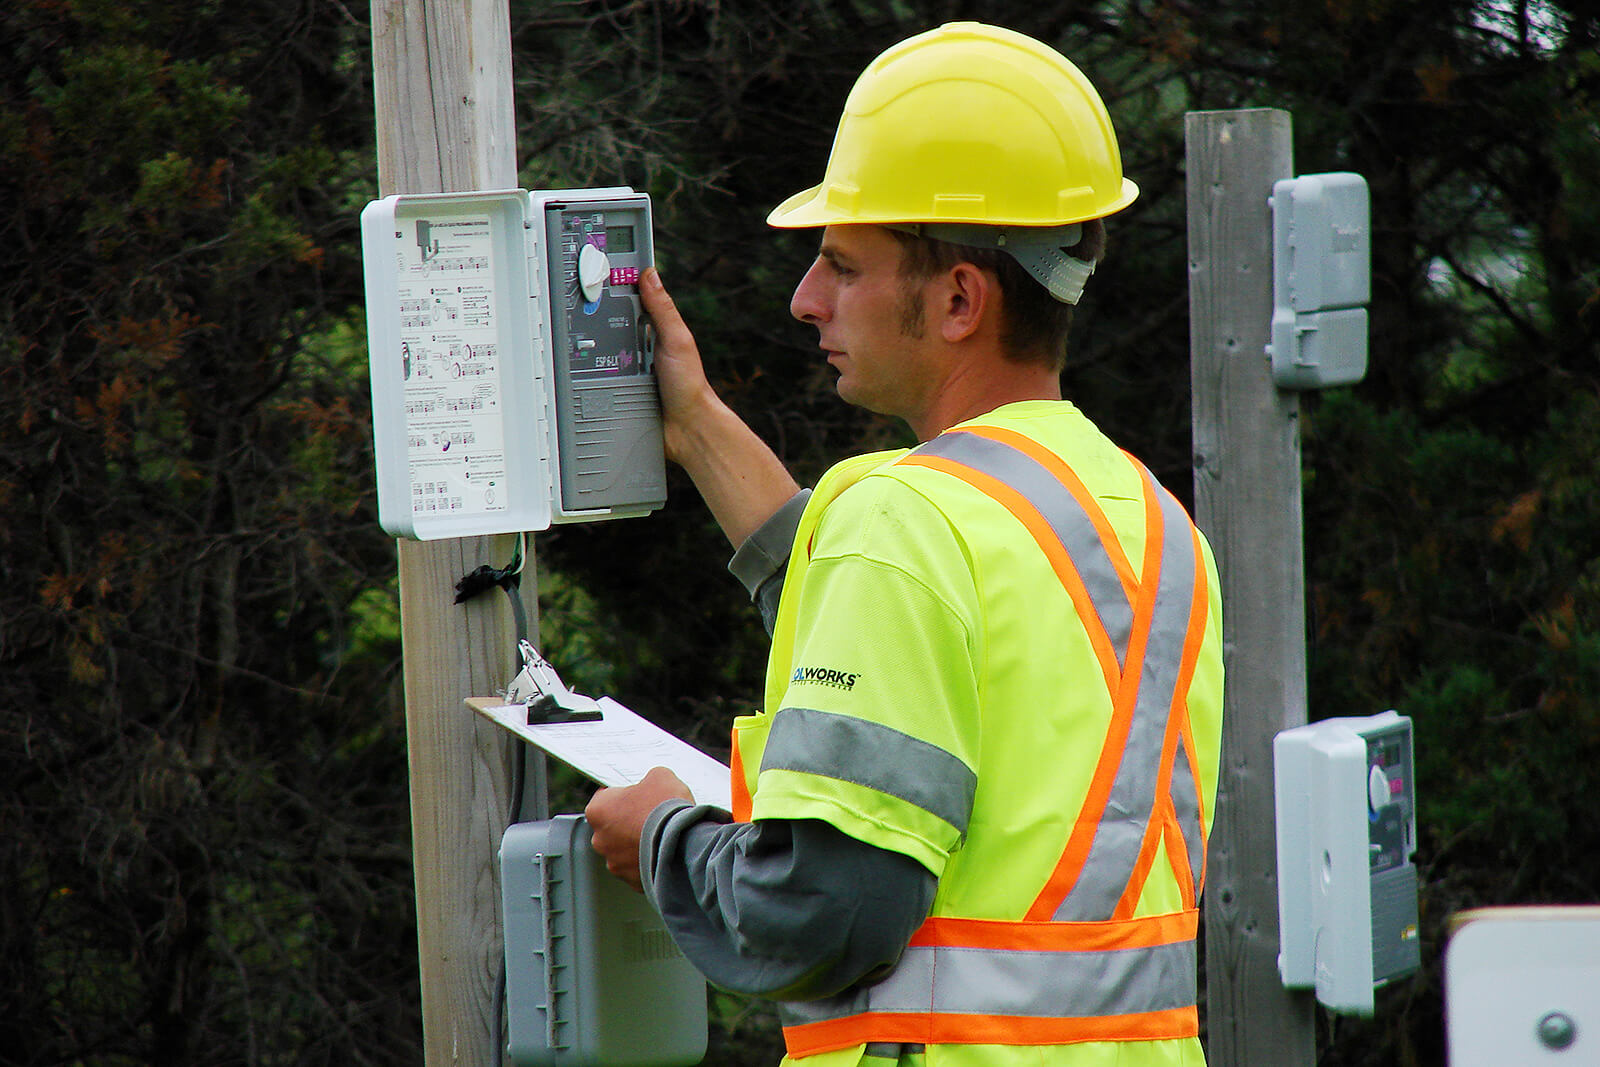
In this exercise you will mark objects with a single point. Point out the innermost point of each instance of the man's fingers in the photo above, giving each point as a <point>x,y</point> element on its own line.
<point>671,330</point>
<point>614,843</point>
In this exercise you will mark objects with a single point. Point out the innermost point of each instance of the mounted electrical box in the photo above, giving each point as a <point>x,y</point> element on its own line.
<point>1522,986</point>
<point>1321,280</point>
<point>511,362</point>
<point>1347,830</point>
<point>592,976</point>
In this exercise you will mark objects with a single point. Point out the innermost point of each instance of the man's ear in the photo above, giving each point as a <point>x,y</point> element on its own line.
<point>967,295</point>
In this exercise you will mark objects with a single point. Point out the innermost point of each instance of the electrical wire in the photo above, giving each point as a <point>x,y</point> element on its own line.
<point>508,579</point>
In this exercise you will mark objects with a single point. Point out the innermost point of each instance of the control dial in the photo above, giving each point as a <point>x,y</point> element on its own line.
<point>594,268</point>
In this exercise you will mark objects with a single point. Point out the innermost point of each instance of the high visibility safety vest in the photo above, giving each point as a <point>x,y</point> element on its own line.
<point>1067,904</point>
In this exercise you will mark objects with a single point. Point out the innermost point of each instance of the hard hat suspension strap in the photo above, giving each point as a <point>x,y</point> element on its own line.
<point>1041,250</point>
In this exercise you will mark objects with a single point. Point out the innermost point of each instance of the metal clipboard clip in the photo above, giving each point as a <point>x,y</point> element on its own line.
<point>540,689</point>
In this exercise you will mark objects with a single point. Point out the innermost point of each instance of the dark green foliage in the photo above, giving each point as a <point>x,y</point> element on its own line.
<point>204,827</point>
<point>203,837</point>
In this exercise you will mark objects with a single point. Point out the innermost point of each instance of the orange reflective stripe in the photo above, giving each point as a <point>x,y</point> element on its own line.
<point>1055,936</point>
<point>740,785</point>
<point>1200,805</point>
<point>1048,543</point>
<point>1069,478</point>
<point>1162,819</point>
<point>1194,641</point>
<point>1002,982</point>
<point>1164,825</point>
<point>952,1029</point>
<point>1178,729</point>
<point>1126,694</point>
<point>1178,855</point>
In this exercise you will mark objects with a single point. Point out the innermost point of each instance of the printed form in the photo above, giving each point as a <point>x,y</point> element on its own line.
<point>618,749</point>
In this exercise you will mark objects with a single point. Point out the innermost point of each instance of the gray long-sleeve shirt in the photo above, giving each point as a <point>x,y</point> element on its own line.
<point>787,909</point>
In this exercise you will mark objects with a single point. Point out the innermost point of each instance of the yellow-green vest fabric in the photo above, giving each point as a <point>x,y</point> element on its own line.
<point>936,689</point>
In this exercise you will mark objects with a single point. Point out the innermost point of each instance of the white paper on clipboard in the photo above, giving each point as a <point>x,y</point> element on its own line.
<point>619,749</point>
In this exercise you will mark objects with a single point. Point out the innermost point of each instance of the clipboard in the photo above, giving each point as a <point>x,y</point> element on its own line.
<point>616,747</point>
<point>619,748</point>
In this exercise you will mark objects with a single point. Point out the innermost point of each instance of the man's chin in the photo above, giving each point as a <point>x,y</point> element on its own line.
<point>856,398</point>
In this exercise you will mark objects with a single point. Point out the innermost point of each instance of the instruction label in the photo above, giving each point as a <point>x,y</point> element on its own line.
<point>451,359</point>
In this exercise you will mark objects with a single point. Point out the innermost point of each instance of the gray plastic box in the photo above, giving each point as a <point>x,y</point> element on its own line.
<point>1321,280</point>
<point>592,976</point>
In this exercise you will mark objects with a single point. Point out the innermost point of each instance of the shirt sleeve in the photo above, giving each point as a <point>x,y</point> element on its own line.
<point>760,562</point>
<point>878,729</point>
<point>790,910</point>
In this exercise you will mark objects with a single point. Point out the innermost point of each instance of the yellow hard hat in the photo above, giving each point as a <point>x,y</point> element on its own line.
<point>968,123</point>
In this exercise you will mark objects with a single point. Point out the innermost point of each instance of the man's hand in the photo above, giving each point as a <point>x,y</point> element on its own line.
<point>617,817</point>
<point>740,478</point>
<point>680,375</point>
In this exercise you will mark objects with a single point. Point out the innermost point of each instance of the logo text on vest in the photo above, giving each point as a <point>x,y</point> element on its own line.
<point>824,676</point>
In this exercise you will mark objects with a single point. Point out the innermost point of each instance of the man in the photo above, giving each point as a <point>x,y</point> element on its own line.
<point>970,824</point>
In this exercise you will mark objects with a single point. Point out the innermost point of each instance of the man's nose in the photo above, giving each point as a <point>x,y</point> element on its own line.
<point>808,304</point>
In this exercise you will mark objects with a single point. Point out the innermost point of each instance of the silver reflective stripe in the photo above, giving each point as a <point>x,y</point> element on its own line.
<point>1065,516</point>
<point>1043,985</point>
<point>876,756</point>
<point>1114,851</point>
<point>1186,802</point>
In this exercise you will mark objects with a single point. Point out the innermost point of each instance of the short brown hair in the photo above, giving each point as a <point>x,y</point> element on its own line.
<point>1034,324</point>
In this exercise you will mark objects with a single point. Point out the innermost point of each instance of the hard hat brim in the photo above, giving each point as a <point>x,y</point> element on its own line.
<point>822,206</point>
<point>798,211</point>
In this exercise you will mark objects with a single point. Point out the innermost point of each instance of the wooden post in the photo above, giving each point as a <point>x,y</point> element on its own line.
<point>1247,500</point>
<point>445,124</point>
